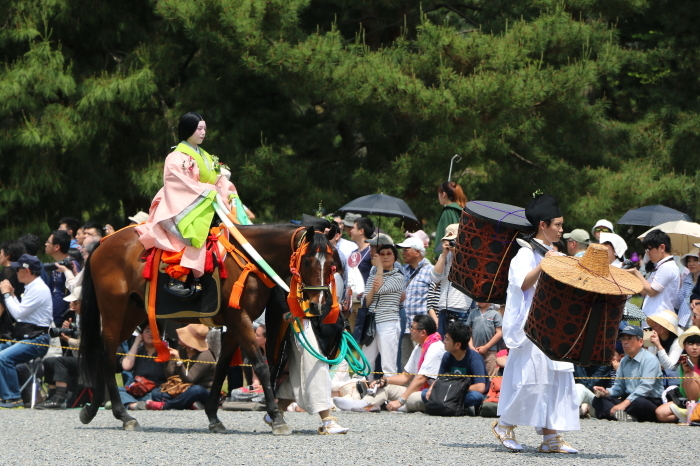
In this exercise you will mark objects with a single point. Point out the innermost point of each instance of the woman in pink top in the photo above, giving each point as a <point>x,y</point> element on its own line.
<point>182,211</point>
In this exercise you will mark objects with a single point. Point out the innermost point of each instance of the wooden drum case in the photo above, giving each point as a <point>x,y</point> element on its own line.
<point>484,249</point>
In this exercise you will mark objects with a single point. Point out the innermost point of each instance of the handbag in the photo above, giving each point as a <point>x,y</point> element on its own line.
<point>447,396</point>
<point>369,329</point>
<point>140,387</point>
<point>174,386</point>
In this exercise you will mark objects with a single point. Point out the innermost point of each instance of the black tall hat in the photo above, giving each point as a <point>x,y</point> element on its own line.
<point>319,223</point>
<point>542,207</point>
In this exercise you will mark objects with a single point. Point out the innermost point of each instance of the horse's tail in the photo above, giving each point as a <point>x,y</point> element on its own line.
<point>91,343</point>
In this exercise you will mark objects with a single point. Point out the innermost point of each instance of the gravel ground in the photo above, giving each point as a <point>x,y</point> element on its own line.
<point>170,437</point>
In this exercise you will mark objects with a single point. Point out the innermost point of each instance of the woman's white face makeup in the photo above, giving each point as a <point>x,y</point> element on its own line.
<point>199,134</point>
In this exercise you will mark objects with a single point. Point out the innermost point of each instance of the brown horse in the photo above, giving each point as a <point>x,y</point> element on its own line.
<point>113,306</point>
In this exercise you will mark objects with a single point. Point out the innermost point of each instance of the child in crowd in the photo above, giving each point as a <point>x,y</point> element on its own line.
<point>486,328</point>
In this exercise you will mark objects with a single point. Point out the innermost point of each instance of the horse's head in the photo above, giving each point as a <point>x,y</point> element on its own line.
<point>316,268</point>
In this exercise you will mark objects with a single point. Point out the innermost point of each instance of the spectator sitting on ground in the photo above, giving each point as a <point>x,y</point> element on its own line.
<point>664,339</point>
<point>405,389</point>
<point>690,387</point>
<point>661,289</point>
<point>62,371</point>
<point>591,376</point>
<point>486,326</point>
<point>602,226</point>
<point>193,342</point>
<point>634,399</point>
<point>576,242</point>
<point>33,316</point>
<point>237,370</point>
<point>146,367</point>
<point>460,359</point>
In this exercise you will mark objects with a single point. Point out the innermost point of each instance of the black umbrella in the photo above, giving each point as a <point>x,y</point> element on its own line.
<point>652,215</point>
<point>380,204</point>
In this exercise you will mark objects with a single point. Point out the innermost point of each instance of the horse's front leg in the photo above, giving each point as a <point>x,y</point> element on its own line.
<point>279,426</point>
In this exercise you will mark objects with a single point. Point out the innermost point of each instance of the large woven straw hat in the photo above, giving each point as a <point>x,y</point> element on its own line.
<point>688,333</point>
<point>194,336</point>
<point>592,272</point>
<point>667,319</point>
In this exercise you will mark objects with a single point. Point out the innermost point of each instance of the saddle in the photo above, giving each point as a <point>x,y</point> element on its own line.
<point>205,303</point>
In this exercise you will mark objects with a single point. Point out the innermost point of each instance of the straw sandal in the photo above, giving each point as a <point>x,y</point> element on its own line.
<point>330,426</point>
<point>503,438</point>
<point>556,444</point>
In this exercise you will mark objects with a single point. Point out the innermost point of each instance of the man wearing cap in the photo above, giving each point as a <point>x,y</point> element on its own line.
<point>636,398</point>
<point>346,224</point>
<point>33,316</point>
<point>602,226</point>
<point>421,235</point>
<point>417,270</point>
<point>535,390</point>
<point>576,242</point>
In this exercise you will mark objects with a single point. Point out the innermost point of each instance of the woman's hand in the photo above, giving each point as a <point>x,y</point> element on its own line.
<point>173,353</point>
<point>377,262</point>
<point>654,338</point>
<point>109,229</point>
<point>446,248</point>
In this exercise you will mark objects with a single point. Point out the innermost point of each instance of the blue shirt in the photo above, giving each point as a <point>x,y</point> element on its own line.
<point>644,364</point>
<point>471,364</point>
<point>417,287</point>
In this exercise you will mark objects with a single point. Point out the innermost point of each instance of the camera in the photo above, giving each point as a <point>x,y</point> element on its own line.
<point>70,332</point>
<point>628,264</point>
<point>51,266</point>
<point>452,243</point>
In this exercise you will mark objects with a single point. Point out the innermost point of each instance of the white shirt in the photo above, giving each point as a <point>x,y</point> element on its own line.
<point>346,247</point>
<point>36,306</point>
<point>665,279</point>
<point>431,362</point>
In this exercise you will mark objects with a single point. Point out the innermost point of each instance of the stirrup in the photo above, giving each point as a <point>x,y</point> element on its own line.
<point>555,445</point>
<point>509,435</point>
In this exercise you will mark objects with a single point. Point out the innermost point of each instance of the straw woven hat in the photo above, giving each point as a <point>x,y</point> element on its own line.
<point>194,336</point>
<point>667,319</point>
<point>592,272</point>
<point>688,333</point>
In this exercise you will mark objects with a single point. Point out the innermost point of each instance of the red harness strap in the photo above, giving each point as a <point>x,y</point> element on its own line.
<point>237,291</point>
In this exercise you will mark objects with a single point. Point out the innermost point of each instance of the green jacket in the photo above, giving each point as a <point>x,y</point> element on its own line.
<point>451,213</point>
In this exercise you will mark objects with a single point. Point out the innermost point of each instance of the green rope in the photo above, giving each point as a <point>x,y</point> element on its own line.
<point>346,351</point>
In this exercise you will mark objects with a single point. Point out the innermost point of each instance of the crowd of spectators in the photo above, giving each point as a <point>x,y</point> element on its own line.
<point>399,305</point>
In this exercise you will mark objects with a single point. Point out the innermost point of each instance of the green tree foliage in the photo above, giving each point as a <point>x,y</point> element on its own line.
<point>309,100</point>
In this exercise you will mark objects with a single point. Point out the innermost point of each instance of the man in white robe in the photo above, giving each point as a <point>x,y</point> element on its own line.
<point>535,391</point>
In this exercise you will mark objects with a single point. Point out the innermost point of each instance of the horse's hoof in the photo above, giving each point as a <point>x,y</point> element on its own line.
<point>132,425</point>
<point>281,429</point>
<point>85,415</point>
<point>217,428</point>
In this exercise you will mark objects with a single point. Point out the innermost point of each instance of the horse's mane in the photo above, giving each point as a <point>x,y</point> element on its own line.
<point>317,243</point>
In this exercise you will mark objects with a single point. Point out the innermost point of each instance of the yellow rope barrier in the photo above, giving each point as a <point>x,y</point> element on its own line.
<point>338,370</point>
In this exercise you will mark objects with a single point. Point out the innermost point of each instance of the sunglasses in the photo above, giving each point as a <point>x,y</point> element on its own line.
<point>602,230</point>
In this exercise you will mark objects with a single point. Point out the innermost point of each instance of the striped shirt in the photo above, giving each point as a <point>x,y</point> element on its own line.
<point>683,303</point>
<point>385,303</point>
<point>417,287</point>
<point>450,298</point>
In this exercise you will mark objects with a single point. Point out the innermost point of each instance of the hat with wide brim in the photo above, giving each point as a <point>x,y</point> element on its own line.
<point>592,272</point>
<point>194,336</point>
<point>688,333</point>
<point>667,319</point>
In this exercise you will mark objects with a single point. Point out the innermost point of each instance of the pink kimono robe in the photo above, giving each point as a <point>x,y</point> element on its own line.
<point>182,192</point>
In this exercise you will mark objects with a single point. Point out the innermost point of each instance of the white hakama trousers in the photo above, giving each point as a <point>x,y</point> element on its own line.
<point>533,394</point>
<point>309,381</point>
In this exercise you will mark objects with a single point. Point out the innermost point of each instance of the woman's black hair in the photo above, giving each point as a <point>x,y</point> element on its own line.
<point>382,247</point>
<point>656,238</point>
<point>188,125</point>
<point>13,249</point>
<point>692,339</point>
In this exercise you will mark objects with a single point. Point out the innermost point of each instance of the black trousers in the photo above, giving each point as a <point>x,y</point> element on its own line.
<point>643,408</point>
<point>61,369</point>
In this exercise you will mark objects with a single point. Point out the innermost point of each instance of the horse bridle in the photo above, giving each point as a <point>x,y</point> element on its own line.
<point>298,253</point>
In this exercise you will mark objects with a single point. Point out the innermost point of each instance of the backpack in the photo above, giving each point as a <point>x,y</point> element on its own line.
<point>447,396</point>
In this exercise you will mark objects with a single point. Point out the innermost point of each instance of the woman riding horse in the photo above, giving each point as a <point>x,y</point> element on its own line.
<point>182,211</point>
